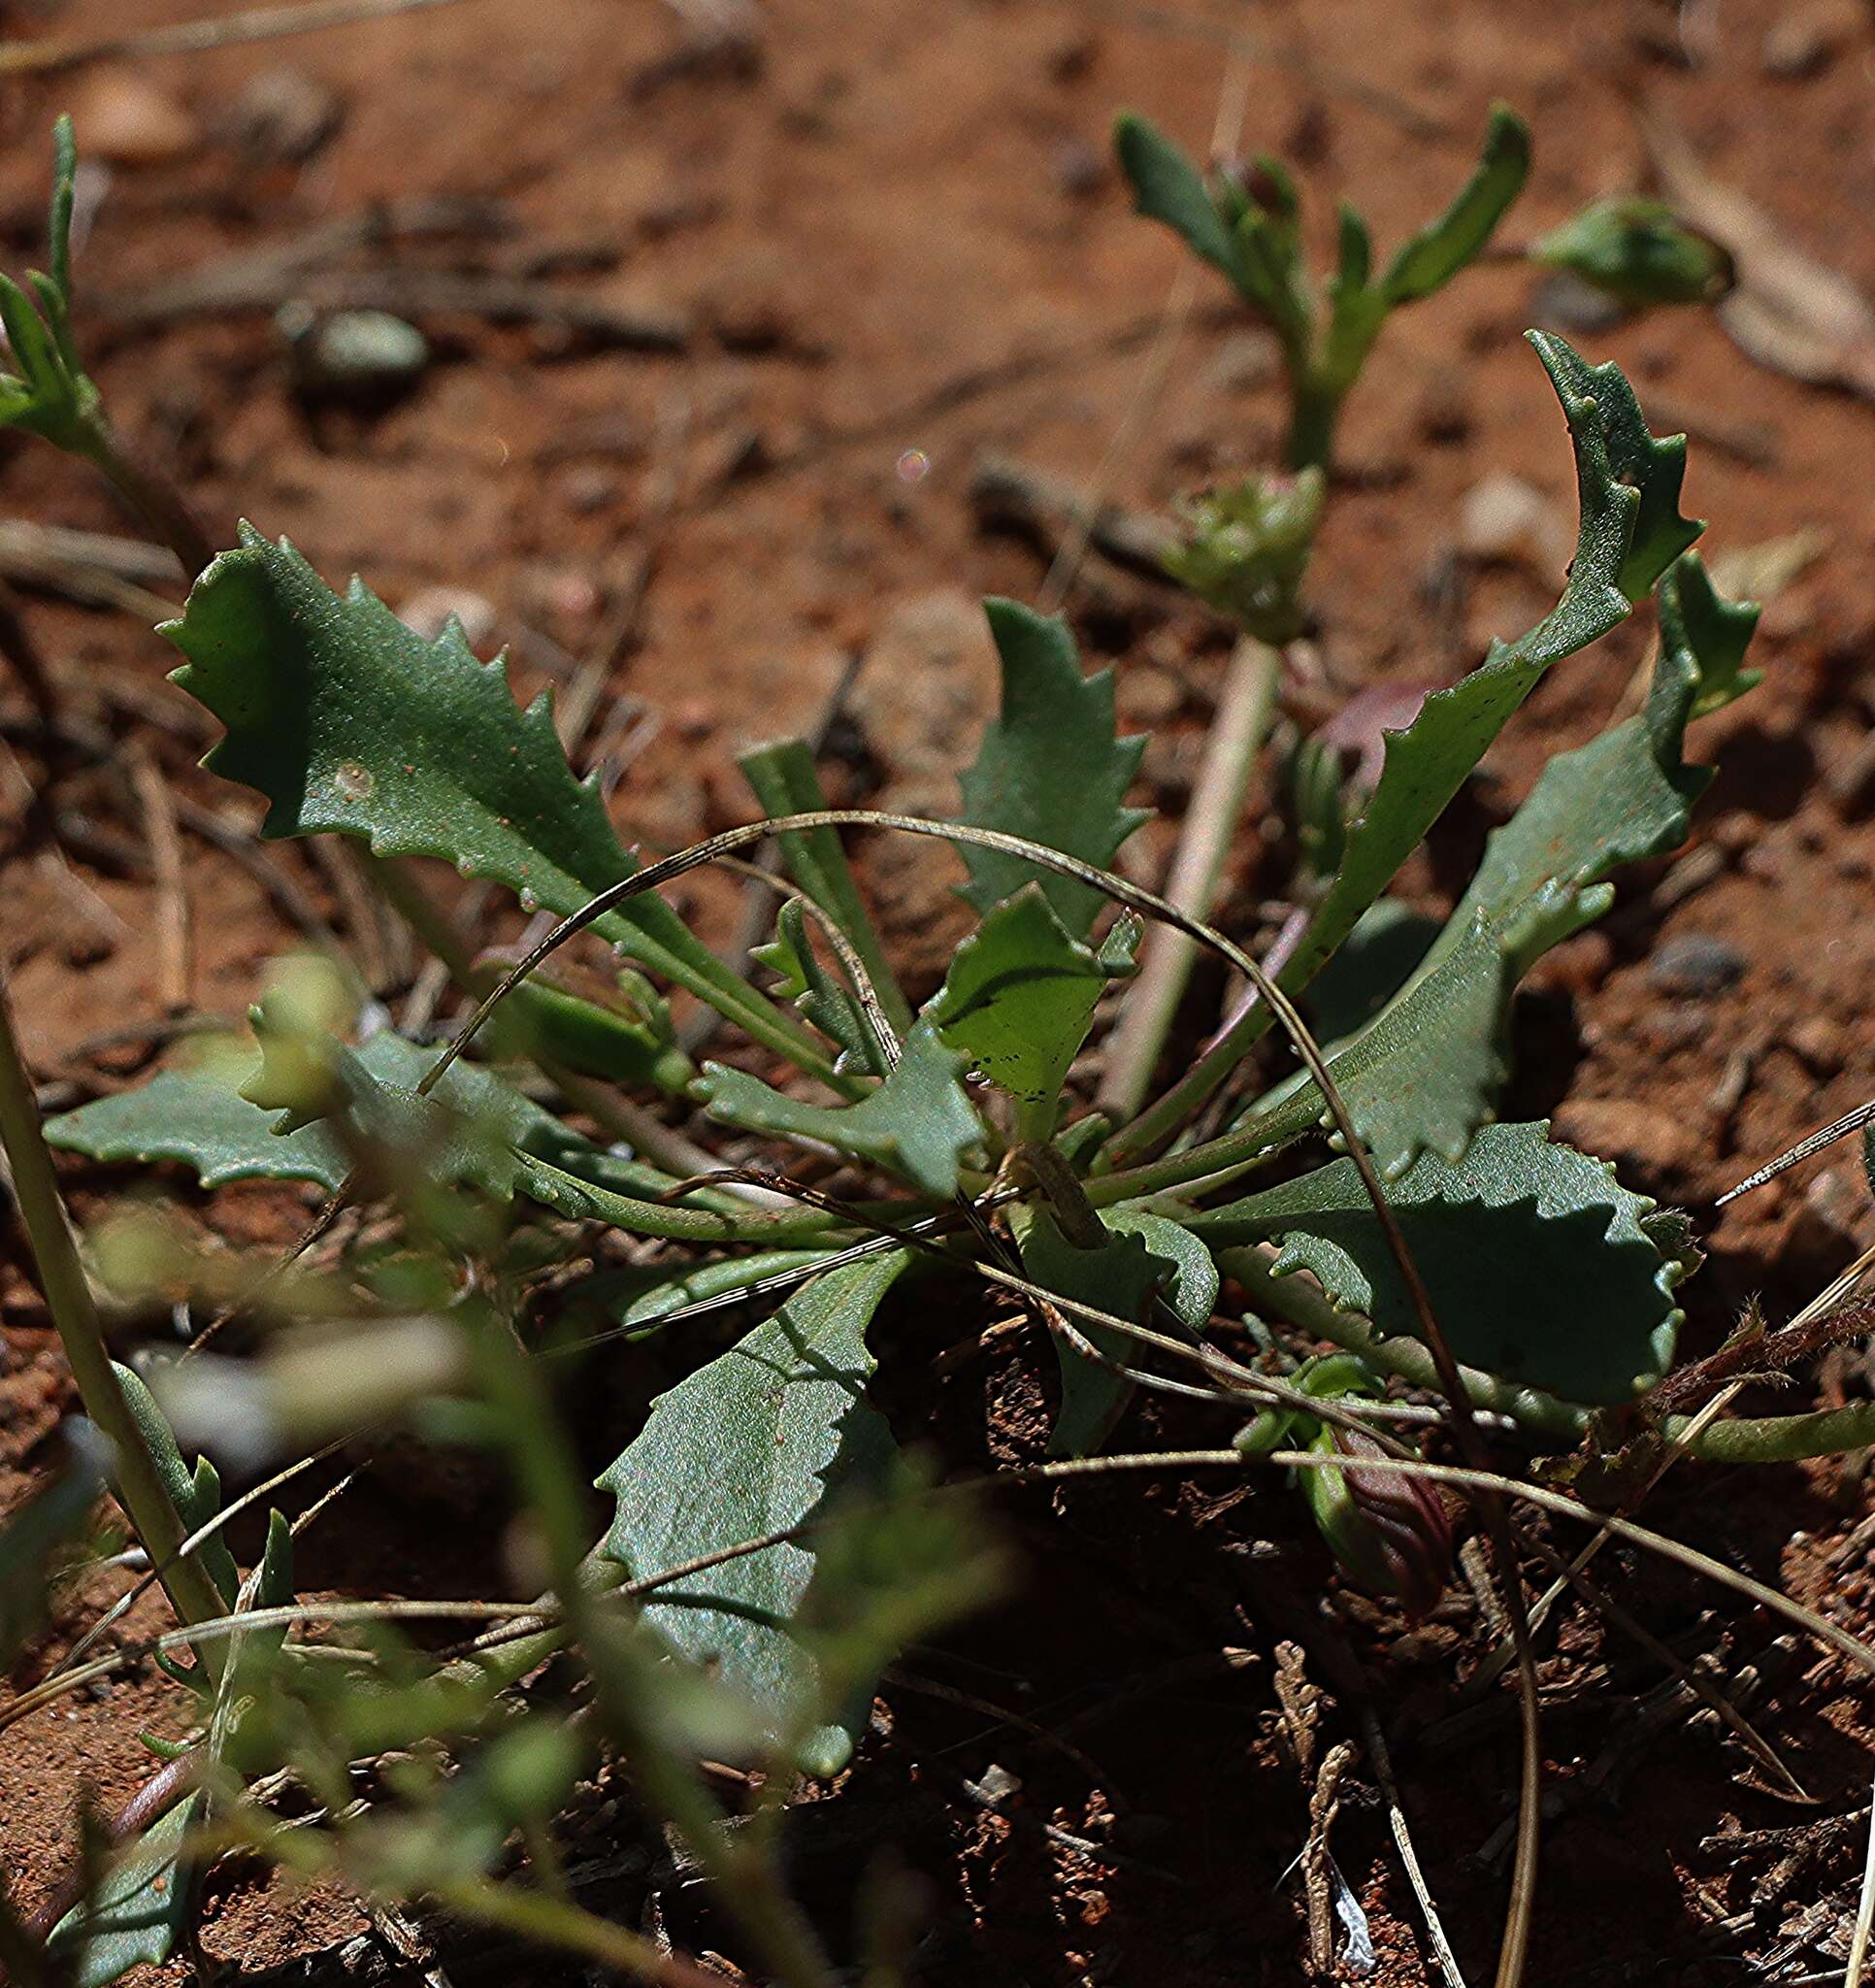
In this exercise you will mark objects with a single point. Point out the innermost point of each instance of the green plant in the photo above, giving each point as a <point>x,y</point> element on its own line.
<point>770,1546</point>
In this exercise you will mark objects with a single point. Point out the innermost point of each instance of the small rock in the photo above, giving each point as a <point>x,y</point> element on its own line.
<point>428,613</point>
<point>284,116</point>
<point>125,119</point>
<point>1696,963</point>
<point>1079,171</point>
<point>1808,39</point>
<point>1819,1042</point>
<point>356,355</point>
<point>1831,1223</point>
<point>1643,1142</point>
<point>1505,518</point>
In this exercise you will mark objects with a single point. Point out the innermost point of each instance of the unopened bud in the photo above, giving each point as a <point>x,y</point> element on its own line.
<point>1388,1529</point>
<point>1639,253</point>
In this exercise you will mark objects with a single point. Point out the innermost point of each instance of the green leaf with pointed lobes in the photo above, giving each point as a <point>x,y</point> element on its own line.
<point>1538,1262</point>
<point>349,722</point>
<point>1020,995</point>
<point>1051,768</point>
<point>919,1121</point>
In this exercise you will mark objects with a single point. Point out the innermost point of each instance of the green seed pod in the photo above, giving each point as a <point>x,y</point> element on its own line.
<point>1639,253</point>
<point>1388,1531</point>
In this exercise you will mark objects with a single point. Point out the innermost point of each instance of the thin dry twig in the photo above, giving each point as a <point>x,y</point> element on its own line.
<point>199,36</point>
<point>1864,1915</point>
<point>174,954</point>
<point>1383,1766</point>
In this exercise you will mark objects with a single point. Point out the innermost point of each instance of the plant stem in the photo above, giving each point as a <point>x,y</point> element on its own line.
<point>1313,407</point>
<point>68,1297</point>
<point>1238,732</point>
<point>150,494</point>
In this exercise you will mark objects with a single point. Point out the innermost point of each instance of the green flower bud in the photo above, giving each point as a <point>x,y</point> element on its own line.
<point>1640,252</point>
<point>1247,549</point>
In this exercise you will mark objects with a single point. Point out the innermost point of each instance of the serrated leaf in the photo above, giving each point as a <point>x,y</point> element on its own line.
<point>783,777</point>
<point>1167,187</point>
<point>1020,995</point>
<point>1050,768</point>
<point>140,1911</point>
<point>827,1003</point>
<point>351,723</point>
<point>1535,1259</point>
<point>1655,468</point>
<point>1427,1071</point>
<point>1703,640</point>
<point>1425,764</point>
<point>196,1115</point>
<point>919,1121</point>
<point>1440,250</point>
<point>1145,1256</point>
<point>756,1442</point>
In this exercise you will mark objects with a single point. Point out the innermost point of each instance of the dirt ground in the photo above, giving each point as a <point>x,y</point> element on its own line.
<point>876,247</point>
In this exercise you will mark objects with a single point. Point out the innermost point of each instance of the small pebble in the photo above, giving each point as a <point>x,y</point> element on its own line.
<point>357,355</point>
<point>1079,171</point>
<point>1245,361</point>
<point>282,116</point>
<point>125,119</point>
<point>1819,1042</point>
<point>1696,963</point>
<point>1564,301</point>
<point>1503,517</point>
<point>428,613</point>
<point>1806,39</point>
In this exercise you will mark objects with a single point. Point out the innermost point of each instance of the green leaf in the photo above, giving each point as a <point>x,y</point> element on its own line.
<point>757,1441</point>
<point>1536,1260</point>
<point>195,1494</point>
<point>1146,1255</point>
<point>828,1003</point>
<point>52,397</point>
<point>785,783</point>
<point>620,1033</point>
<point>1655,469</point>
<point>1167,187</point>
<point>1020,995</point>
<point>351,723</point>
<point>1438,252</point>
<point>1637,251</point>
<point>660,1289</point>
<point>919,1122</point>
<point>141,1910</point>
<point>1626,482</point>
<point>1427,1071</point>
<point>1703,640</point>
<point>1050,768</point>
